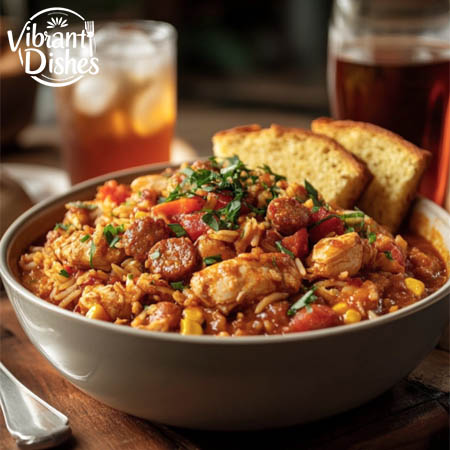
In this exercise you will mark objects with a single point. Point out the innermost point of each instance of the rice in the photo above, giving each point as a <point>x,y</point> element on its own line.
<point>268,299</point>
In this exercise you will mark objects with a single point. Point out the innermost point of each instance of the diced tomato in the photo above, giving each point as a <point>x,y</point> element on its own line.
<point>180,206</point>
<point>397,255</point>
<point>222,200</point>
<point>297,243</point>
<point>193,224</point>
<point>70,270</point>
<point>320,316</point>
<point>320,214</point>
<point>334,224</point>
<point>117,193</point>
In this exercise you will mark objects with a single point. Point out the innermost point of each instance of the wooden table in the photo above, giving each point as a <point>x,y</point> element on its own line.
<point>414,414</point>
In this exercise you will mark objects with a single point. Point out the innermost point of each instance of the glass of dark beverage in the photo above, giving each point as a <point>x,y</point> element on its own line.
<point>389,64</point>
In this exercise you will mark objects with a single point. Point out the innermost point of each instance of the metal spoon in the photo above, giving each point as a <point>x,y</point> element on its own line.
<point>32,422</point>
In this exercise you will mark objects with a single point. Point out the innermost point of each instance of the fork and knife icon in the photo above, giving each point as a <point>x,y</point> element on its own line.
<point>89,27</point>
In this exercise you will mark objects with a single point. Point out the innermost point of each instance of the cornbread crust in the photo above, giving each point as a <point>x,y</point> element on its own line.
<point>298,154</point>
<point>396,164</point>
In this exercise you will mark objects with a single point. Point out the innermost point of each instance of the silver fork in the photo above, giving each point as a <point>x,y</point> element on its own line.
<point>89,26</point>
<point>33,423</point>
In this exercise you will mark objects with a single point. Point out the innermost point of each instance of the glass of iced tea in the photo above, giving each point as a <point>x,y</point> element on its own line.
<point>124,116</point>
<point>389,64</point>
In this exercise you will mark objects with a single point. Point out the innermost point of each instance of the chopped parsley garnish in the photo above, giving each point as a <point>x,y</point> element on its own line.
<point>389,255</point>
<point>354,215</point>
<point>64,273</point>
<point>177,285</point>
<point>231,178</point>
<point>304,301</point>
<point>130,276</point>
<point>212,259</point>
<point>211,220</point>
<point>313,194</point>
<point>62,226</point>
<point>283,249</point>
<point>111,234</point>
<point>91,253</point>
<point>82,205</point>
<point>155,255</point>
<point>372,237</point>
<point>177,229</point>
<point>85,238</point>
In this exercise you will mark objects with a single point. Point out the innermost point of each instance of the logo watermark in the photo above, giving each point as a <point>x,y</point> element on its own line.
<point>52,53</point>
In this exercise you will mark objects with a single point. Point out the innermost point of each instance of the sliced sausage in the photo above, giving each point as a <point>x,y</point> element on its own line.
<point>287,215</point>
<point>173,258</point>
<point>142,235</point>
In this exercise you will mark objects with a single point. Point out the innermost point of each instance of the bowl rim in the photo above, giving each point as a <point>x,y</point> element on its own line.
<point>10,280</point>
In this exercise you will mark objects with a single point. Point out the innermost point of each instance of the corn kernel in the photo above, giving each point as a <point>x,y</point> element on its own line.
<point>415,286</point>
<point>190,327</point>
<point>97,312</point>
<point>340,307</point>
<point>141,215</point>
<point>193,313</point>
<point>352,316</point>
<point>393,308</point>
<point>309,203</point>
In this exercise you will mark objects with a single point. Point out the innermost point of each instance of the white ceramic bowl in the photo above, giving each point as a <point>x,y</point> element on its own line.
<point>223,383</point>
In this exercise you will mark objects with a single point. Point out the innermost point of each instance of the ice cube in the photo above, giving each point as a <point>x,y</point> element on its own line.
<point>94,94</point>
<point>131,50</point>
<point>153,108</point>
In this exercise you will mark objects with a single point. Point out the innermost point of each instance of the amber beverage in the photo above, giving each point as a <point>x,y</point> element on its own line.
<point>402,85</point>
<point>124,116</point>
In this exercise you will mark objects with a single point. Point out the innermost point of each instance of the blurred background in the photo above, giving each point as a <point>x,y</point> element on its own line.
<point>238,62</point>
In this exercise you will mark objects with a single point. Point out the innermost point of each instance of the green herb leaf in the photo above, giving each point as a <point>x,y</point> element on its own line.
<point>304,301</point>
<point>187,171</point>
<point>315,209</point>
<point>212,259</point>
<point>82,205</point>
<point>282,249</point>
<point>85,238</point>
<point>211,220</point>
<point>372,237</point>
<point>91,253</point>
<point>62,226</point>
<point>111,234</point>
<point>155,255</point>
<point>177,229</point>
<point>130,276</point>
<point>313,194</point>
<point>177,285</point>
<point>389,255</point>
<point>354,215</point>
<point>64,273</point>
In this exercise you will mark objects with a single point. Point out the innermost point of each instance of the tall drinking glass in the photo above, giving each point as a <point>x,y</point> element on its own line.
<point>389,64</point>
<point>123,116</point>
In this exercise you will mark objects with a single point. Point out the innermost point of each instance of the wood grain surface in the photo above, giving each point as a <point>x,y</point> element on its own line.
<point>412,415</point>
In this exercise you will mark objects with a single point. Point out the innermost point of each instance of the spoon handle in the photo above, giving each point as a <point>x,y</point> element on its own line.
<point>32,422</point>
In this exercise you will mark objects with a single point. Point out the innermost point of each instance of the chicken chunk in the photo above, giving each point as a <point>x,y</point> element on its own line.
<point>91,253</point>
<point>112,298</point>
<point>245,279</point>
<point>207,247</point>
<point>333,255</point>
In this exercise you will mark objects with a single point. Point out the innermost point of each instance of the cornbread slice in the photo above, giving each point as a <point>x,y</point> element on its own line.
<point>297,154</point>
<point>396,166</point>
